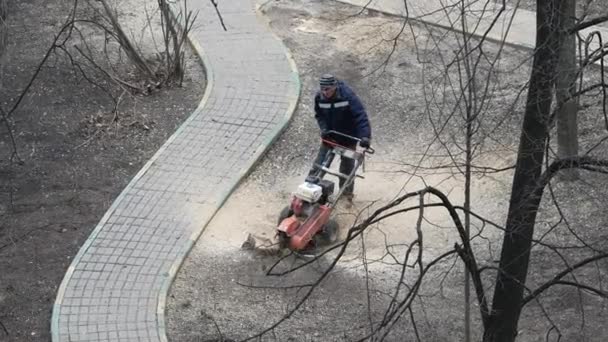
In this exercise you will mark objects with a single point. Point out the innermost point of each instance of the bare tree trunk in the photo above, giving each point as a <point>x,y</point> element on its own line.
<point>126,44</point>
<point>470,72</point>
<point>567,105</point>
<point>173,60</point>
<point>524,202</point>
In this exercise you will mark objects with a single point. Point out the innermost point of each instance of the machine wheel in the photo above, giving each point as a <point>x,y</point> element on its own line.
<point>328,235</point>
<point>285,213</point>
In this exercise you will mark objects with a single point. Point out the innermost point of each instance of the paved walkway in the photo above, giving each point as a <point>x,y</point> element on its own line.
<point>515,26</point>
<point>116,287</point>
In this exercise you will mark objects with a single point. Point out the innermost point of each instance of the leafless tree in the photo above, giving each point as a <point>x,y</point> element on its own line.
<point>567,104</point>
<point>98,61</point>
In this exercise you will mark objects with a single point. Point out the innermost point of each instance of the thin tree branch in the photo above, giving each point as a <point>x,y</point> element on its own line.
<point>66,26</point>
<point>585,24</point>
<point>219,15</point>
<point>557,278</point>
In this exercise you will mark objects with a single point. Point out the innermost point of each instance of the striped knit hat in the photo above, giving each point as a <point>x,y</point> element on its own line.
<point>327,80</point>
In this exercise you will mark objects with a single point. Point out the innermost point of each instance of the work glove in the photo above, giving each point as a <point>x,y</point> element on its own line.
<point>365,142</point>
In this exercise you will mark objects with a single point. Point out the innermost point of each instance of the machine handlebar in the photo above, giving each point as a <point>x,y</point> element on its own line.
<point>368,150</point>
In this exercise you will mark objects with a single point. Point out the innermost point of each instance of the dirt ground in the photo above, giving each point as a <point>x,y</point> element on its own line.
<point>76,160</point>
<point>222,293</point>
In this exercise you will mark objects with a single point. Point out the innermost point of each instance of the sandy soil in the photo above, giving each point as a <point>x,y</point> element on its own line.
<point>212,287</point>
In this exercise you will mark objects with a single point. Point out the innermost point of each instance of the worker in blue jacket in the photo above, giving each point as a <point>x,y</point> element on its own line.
<point>338,108</point>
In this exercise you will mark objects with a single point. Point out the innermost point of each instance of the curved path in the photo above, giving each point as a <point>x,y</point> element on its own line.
<point>116,287</point>
<point>515,26</point>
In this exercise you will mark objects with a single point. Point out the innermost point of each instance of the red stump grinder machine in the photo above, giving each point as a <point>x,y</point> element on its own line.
<point>305,224</point>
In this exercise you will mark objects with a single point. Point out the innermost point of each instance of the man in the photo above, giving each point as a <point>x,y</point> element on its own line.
<point>337,108</point>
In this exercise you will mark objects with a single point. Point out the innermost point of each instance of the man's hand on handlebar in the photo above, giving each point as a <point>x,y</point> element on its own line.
<point>365,142</point>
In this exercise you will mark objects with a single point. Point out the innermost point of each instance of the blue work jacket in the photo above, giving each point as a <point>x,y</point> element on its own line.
<point>344,113</point>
